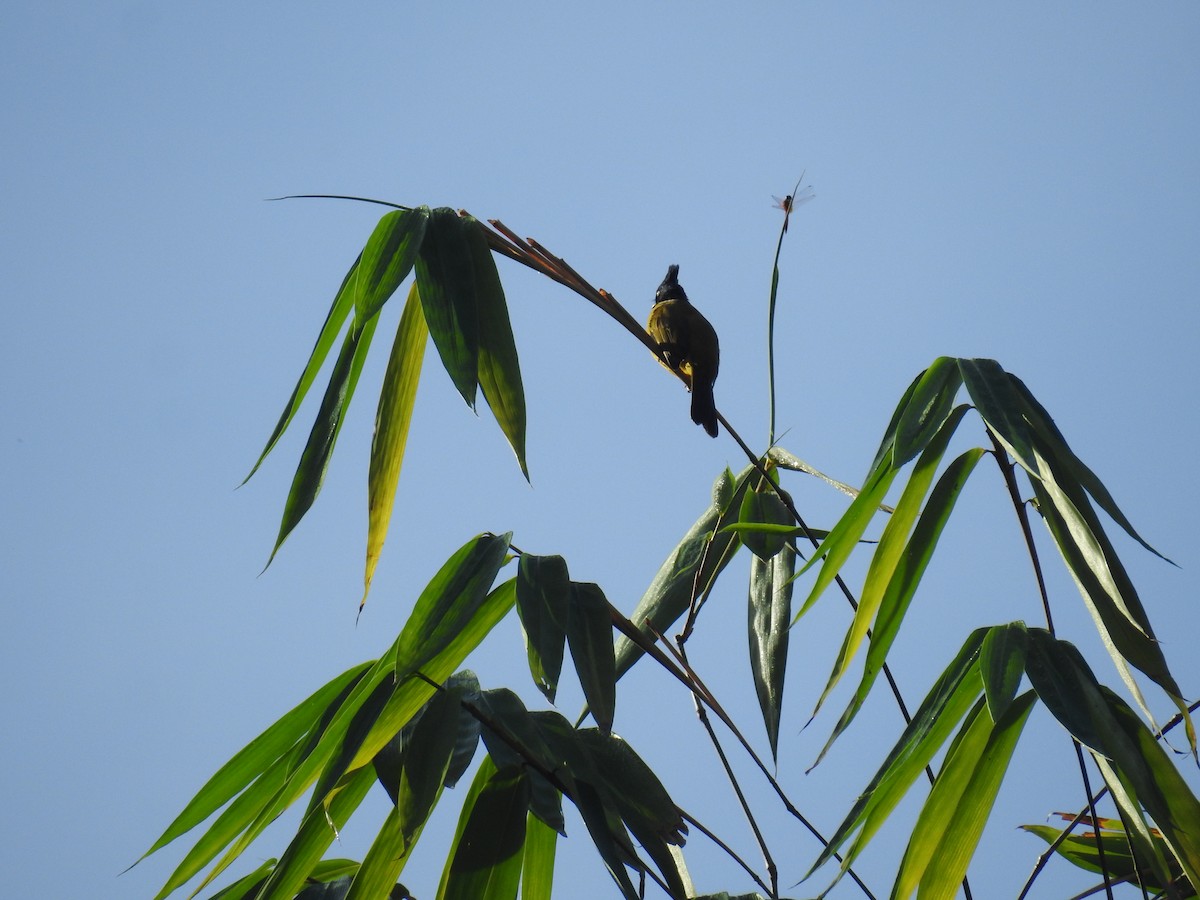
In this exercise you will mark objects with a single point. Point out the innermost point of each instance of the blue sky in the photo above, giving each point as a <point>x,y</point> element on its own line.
<point>1011,182</point>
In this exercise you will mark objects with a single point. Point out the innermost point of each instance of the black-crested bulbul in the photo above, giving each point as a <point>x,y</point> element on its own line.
<point>689,345</point>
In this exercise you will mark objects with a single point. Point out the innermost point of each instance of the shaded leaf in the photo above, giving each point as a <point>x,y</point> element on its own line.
<point>762,505</point>
<point>392,419</point>
<point>589,635</point>
<point>1002,663</point>
<point>485,863</point>
<point>543,603</point>
<point>499,371</point>
<point>447,288</point>
<point>1000,407</point>
<point>927,408</point>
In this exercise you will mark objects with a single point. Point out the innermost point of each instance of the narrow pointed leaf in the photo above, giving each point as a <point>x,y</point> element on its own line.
<point>930,404</point>
<point>306,483</point>
<point>770,615</point>
<point>248,885</point>
<point>887,445</point>
<point>904,580</point>
<point>1081,850</point>
<point>893,547</point>
<point>254,759</point>
<point>953,694</point>
<point>589,635</point>
<point>499,370</point>
<point>425,761</point>
<point>543,603</point>
<point>690,569</point>
<point>343,303</point>
<point>384,861</point>
<point>1056,445</point>
<point>387,259</point>
<point>631,786</point>
<point>317,831</point>
<point>392,419</point>
<point>953,832</point>
<point>447,288</point>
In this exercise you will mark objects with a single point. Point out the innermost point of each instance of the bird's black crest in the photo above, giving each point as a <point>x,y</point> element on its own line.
<point>670,289</point>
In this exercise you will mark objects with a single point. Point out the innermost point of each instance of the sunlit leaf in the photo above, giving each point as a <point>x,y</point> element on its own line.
<point>931,401</point>
<point>387,259</point>
<point>1002,663</point>
<point>537,868</point>
<point>392,419</point>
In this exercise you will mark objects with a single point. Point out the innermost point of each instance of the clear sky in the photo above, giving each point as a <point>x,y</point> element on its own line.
<point>1004,181</point>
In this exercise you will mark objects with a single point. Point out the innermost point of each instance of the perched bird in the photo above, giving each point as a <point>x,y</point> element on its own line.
<point>689,345</point>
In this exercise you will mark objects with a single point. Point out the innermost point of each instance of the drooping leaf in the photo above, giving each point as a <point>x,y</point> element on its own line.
<point>928,407</point>
<point>589,635</point>
<point>630,786</point>
<point>690,569</point>
<point>1002,663</point>
<point>387,259</point>
<point>770,615</point>
<point>499,370</point>
<point>543,603</point>
<point>392,420</point>
<point>445,277</point>
<point>343,303</point>
<point>310,473</point>
<point>1000,407</point>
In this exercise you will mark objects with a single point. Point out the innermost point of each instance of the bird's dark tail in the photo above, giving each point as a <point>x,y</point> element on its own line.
<point>704,408</point>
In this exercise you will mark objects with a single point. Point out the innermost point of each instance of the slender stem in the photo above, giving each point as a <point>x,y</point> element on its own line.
<point>768,861</point>
<point>691,820</point>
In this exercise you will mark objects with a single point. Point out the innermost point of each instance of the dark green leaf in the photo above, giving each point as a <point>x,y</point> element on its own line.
<point>514,739</point>
<point>589,634</point>
<point>630,786</point>
<point>543,598</point>
<point>762,505</point>
<point>1000,407</point>
<point>499,370</point>
<point>447,287</point>
<point>487,856</point>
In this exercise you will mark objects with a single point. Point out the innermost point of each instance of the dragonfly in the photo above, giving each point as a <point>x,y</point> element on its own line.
<point>791,201</point>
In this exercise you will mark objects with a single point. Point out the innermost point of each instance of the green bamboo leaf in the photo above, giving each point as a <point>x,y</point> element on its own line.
<point>514,740</point>
<point>387,259</point>
<point>385,859</point>
<point>343,302</point>
<point>846,533</point>
<point>466,685</point>
<point>447,287</point>
<point>741,529</point>
<point>787,460</point>
<point>952,820</point>
<point>770,614</point>
<point>1074,469</point>
<point>1161,790</point>
<point>1000,407</point>
<point>317,831</point>
<point>1081,850</point>
<point>1065,683</point>
<point>543,604</point>
<point>887,445</point>
<point>499,370</point>
<point>306,483</point>
<point>425,759</point>
<point>486,861</point>
<point>247,885</point>
<point>450,602</point>
<point>948,701</point>
<point>1002,663</point>
<point>589,635</point>
<point>929,406</point>
<point>630,786</point>
<point>392,419</point>
<point>537,868</point>
<point>255,758</point>
<point>690,569</point>
<point>893,547</point>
